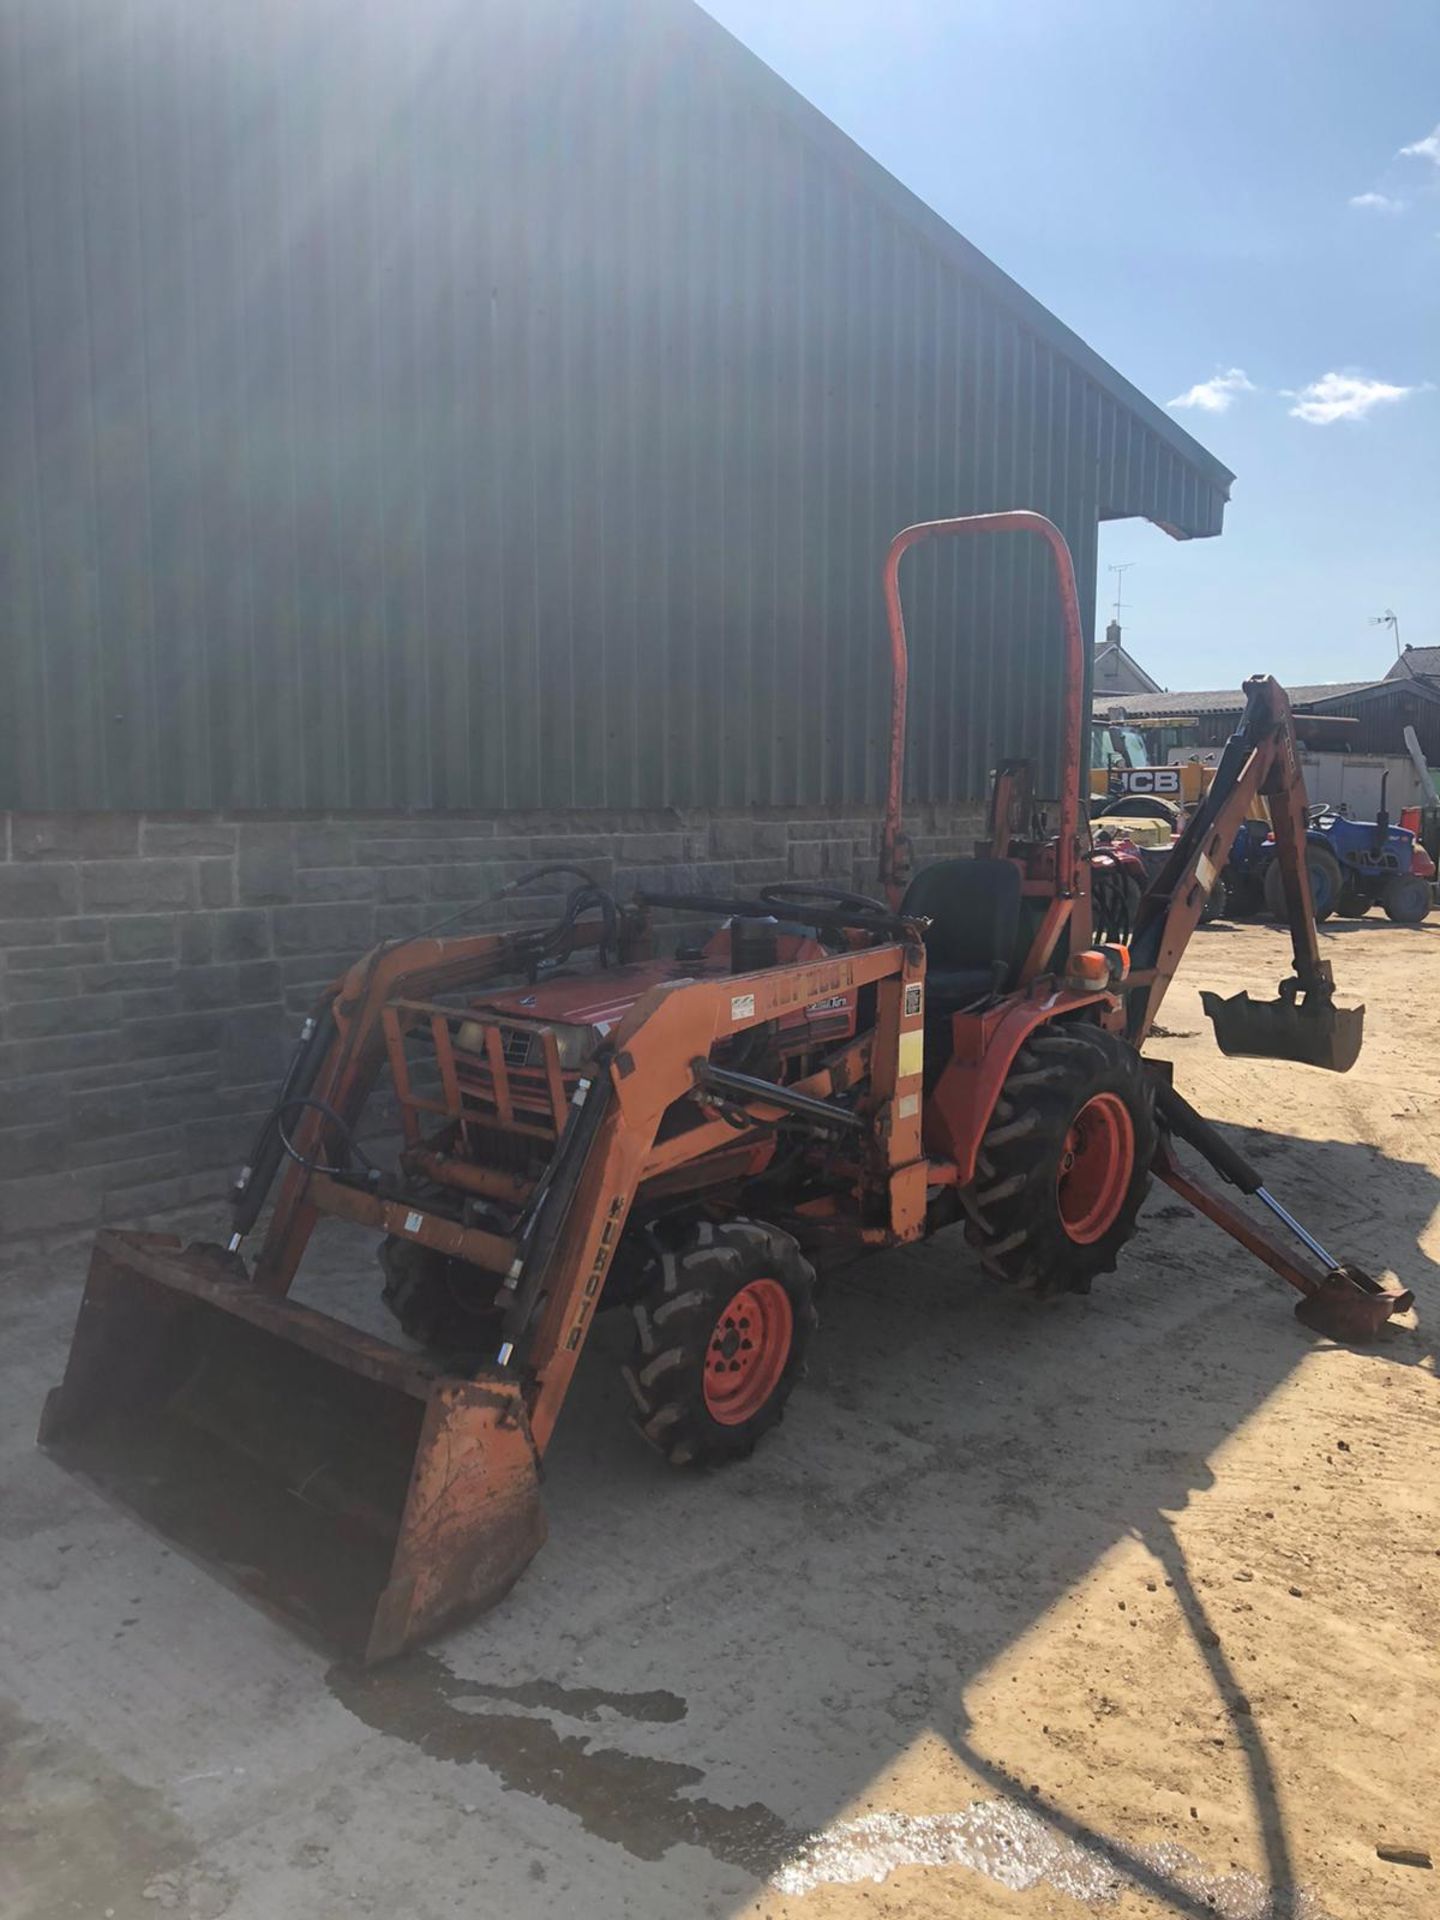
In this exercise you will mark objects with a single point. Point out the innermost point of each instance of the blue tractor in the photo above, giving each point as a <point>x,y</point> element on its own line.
<point>1353,864</point>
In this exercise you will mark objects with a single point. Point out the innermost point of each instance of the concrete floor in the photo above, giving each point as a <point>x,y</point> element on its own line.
<point>1126,1604</point>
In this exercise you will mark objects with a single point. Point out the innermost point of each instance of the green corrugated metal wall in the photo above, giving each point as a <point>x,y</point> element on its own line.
<point>481,404</point>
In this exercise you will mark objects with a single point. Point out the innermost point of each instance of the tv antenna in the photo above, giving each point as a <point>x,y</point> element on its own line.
<point>1389,618</point>
<point>1120,572</point>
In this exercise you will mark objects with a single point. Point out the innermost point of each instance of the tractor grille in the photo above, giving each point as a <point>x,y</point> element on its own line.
<point>520,1048</point>
<point>489,1071</point>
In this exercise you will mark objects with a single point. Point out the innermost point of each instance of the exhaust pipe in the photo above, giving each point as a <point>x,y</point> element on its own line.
<point>358,1492</point>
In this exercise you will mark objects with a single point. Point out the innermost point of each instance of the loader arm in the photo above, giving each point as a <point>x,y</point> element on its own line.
<point>349,1041</point>
<point>1261,758</point>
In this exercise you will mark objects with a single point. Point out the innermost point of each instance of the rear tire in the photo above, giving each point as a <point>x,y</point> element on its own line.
<point>1245,896</point>
<point>1217,903</point>
<point>1406,899</point>
<point>1325,884</point>
<point>1065,1162</point>
<point>721,1336</point>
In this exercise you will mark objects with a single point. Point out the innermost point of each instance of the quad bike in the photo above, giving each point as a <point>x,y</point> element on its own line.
<point>588,1121</point>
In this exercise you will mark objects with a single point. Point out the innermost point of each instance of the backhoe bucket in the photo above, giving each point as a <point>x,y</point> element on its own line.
<point>354,1489</point>
<point>1314,1031</point>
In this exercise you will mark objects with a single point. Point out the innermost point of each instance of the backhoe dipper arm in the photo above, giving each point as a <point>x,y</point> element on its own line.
<point>1261,757</point>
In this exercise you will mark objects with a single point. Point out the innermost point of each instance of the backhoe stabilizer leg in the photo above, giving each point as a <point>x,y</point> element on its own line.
<point>1343,1302</point>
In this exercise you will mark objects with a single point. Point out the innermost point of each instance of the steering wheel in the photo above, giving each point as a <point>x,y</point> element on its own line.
<point>802,894</point>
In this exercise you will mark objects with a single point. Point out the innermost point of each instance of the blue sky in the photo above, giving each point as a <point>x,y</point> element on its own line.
<point>1177,183</point>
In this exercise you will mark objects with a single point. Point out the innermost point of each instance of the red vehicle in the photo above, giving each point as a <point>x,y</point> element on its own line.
<point>587,1122</point>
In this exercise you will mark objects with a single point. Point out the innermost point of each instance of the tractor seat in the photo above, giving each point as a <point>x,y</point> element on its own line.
<point>973,907</point>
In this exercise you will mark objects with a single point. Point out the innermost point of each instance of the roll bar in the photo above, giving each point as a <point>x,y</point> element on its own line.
<point>1019,520</point>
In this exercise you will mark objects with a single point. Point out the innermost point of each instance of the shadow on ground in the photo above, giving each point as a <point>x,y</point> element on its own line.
<point>723,1663</point>
<point>915,1502</point>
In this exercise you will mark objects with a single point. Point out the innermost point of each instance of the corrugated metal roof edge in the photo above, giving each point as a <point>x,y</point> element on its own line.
<point>978,265</point>
<point>1159,706</point>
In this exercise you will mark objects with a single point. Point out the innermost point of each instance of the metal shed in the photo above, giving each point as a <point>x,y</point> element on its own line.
<point>1382,709</point>
<point>505,404</point>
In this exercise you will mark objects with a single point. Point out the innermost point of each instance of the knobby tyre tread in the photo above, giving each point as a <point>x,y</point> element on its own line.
<point>674,1324</point>
<point>1013,1209</point>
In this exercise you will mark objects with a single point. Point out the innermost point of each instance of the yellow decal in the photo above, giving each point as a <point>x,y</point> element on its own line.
<point>912,1053</point>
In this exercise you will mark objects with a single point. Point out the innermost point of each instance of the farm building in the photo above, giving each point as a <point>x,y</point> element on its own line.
<point>419,462</point>
<point>1381,710</point>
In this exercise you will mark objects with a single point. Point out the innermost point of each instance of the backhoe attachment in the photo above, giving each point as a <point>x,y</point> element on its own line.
<point>1304,1024</point>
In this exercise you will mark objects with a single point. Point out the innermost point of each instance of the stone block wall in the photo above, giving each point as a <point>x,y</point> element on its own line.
<point>154,968</point>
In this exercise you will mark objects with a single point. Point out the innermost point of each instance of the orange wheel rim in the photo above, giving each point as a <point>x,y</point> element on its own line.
<point>1095,1168</point>
<point>748,1352</point>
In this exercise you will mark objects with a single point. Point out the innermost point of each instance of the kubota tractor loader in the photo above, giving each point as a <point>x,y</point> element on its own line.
<point>586,1122</point>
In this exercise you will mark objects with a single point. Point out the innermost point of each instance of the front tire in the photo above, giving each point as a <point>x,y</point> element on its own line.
<point>439,1302</point>
<point>1406,899</point>
<point>721,1336</point>
<point>1065,1162</point>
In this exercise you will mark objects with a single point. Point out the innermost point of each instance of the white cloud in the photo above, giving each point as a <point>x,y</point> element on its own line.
<point>1377,203</point>
<point>1343,396</point>
<point>1426,149</point>
<point>1215,394</point>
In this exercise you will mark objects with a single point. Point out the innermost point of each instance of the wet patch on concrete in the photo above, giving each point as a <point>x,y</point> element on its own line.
<point>580,1703</point>
<point>646,1806</point>
<point>640,1804</point>
<point>1019,1851</point>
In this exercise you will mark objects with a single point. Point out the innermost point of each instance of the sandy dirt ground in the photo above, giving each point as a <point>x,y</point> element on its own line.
<point>1121,1606</point>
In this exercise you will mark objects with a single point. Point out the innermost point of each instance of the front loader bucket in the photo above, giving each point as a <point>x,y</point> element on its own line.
<point>1314,1031</point>
<point>355,1490</point>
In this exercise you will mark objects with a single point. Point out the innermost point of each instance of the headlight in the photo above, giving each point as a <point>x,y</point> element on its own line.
<point>574,1045</point>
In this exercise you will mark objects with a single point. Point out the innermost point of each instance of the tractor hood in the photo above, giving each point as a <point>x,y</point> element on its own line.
<point>599,1000</point>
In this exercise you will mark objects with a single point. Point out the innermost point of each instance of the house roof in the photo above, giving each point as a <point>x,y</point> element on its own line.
<point>1162,706</point>
<point>1108,649</point>
<point>1416,660</point>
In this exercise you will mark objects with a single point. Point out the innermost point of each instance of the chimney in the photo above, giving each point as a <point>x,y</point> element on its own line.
<point>1110,665</point>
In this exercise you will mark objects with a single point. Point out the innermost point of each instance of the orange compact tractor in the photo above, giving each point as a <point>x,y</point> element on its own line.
<point>588,1124</point>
